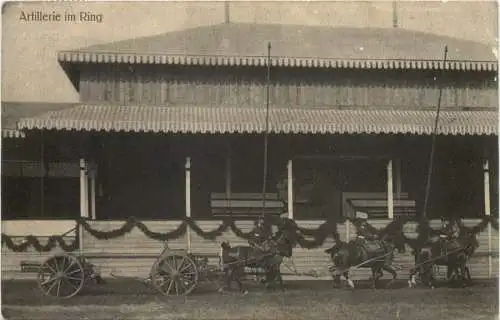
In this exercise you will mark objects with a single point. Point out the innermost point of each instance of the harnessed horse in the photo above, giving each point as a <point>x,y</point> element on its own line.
<point>376,254</point>
<point>267,255</point>
<point>452,253</point>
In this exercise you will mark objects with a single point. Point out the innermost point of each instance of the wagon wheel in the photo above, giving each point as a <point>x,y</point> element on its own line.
<point>174,274</point>
<point>61,276</point>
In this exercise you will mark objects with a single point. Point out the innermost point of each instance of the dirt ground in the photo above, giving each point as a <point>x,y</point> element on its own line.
<point>301,300</point>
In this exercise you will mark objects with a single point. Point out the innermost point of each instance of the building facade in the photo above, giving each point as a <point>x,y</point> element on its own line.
<point>166,124</point>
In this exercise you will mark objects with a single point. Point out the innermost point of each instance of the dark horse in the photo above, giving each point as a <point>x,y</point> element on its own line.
<point>377,255</point>
<point>452,253</point>
<point>267,255</point>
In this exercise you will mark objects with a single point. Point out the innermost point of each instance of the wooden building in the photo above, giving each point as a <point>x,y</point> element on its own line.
<point>173,125</point>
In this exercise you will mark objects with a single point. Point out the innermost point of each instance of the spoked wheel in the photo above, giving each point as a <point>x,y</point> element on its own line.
<point>61,276</point>
<point>174,274</point>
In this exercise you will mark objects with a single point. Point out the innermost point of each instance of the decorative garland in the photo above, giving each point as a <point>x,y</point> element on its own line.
<point>33,241</point>
<point>295,233</point>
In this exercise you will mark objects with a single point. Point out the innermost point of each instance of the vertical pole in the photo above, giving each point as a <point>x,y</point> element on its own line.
<point>347,224</point>
<point>394,14</point>
<point>228,183</point>
<point>188,200</point>
<point>398,178</point>
<point>42,175</point>
<point>433,143</point>
<point>390,191</point>
<point>227,18</point>
<point>487,210</point>
<point>290,189</point>
<point>266,133</point>
<point>92,192</point>
<point>86,190</point>
<point>228,176</point>
<point>83,200</point>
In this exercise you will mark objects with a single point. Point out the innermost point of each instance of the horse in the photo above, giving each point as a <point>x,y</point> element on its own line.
<point>452,253</point>
<point>267,255</point>
<point>377,255</point>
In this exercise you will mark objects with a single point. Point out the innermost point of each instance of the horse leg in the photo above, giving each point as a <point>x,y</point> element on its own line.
<point>279,278</point>
<point>450,272</point>
<point>349,281</point>
<point>412,279</point>
<point>469,278</point>
<point>463,271</point>
<point>374,277</point>
<point>392,271</point>
<point>336,280</point>
<point>228,277</point>
<point>237,279</point>
<point>268,277</point>
<point>429,277</point>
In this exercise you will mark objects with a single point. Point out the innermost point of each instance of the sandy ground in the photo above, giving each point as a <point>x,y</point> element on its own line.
<point>301,300</point>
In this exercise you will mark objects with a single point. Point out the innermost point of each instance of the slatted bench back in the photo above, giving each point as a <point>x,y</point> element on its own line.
<point>245,204</point>
<point>375,204</point>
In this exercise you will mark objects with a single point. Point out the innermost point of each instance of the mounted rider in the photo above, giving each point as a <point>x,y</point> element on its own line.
<point>261,233</point>
<point>363,227</point>
<point>365,237</point>
<point>449,234</point>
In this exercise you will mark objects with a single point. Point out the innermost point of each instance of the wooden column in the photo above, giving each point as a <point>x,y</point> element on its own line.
<point>290,188</point>
<point>390,191</point>
<point>487,210</point>
<point>347,225</point>
<point>188,199</point>
<point>92,174</point>
<point>84,200</point>
<point>398,178</point>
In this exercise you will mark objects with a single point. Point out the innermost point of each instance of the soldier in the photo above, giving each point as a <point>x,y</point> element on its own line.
<point>450,230</point>
<point>362,229</point>
<point>449,234</point>
<point>261,233</point>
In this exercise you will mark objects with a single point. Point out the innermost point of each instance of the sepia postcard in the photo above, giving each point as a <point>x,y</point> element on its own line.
<point>249,160</point>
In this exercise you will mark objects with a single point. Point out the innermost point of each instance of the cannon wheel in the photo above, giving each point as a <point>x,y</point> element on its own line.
<point>61,276</point>
<point>174,274</point>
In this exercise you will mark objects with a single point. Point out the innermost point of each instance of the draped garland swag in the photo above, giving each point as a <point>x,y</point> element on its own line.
<point>318,235</point>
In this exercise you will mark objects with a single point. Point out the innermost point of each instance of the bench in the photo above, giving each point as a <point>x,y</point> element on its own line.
<point>245,205</point>
<point>375,204</point>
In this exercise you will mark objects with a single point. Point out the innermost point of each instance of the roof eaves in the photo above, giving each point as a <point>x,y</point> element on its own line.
<point>261,61</point>
<point>13,112</point>
<point>245,120</point>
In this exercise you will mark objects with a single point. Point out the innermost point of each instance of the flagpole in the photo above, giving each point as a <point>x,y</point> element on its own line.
<point>434,134</point>
<point>268,80</point>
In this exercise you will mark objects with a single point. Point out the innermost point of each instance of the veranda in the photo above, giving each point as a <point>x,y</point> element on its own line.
<point>161,178</point>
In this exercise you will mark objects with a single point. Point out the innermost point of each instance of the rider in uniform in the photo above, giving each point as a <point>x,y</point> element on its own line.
<point>363,227</point>
<point>364,236</point>
<point>449,233</point>
<point>261,233</point>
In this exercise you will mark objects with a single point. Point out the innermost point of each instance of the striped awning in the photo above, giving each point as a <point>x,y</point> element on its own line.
<point>208,119</point>
<point>261,61</point>
<point>12,133</point>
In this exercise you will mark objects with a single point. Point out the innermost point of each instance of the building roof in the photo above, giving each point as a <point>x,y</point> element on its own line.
<point>236,44</point>
<point>199,119</point>
<point>12,112</point>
